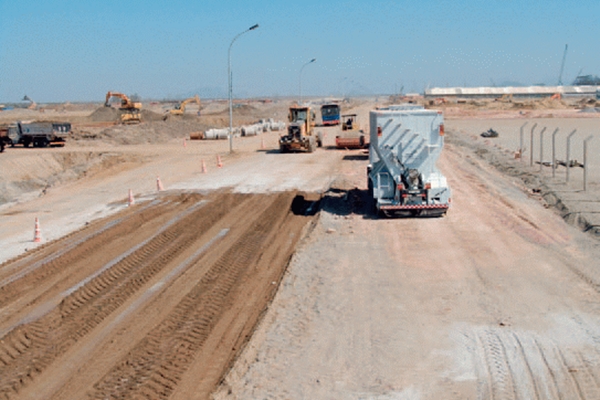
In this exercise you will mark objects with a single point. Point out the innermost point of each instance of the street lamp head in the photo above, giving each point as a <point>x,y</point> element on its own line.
<point>253,27</point>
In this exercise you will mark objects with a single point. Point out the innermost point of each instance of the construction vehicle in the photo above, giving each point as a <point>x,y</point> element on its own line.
<point>130,110</point>
<point>32,104</point>
<point>405,143</point>
<point>38,134</point>
<point>300,134</point>
<point>4,139</point>
<point>351,136</point>
<point>330,114</point>
<point>180,108</point>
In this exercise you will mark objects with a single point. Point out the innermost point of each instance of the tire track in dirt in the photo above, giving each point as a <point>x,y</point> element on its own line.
<point>69,250</point>
<point>524,366</point>
<point>155,366</point>
<point>37,344</point>
<point>28,350</point>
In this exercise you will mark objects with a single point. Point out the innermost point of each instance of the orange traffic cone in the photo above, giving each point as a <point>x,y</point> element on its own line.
<point>219,163</point>
<point>262,143</point>
<point>184,143</point>
<point>131,199</point>
<point>37,236</point>
<point>159,185</point>
<point>204,167</point>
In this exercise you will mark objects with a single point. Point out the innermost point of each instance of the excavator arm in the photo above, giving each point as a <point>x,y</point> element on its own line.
<point>126,103</point>
<point>180,108</point>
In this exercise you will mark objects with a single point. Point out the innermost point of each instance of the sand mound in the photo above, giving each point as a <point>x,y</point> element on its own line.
<point>105,114</point>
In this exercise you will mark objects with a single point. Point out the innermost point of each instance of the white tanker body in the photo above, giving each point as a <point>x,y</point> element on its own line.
<point>405,144</point>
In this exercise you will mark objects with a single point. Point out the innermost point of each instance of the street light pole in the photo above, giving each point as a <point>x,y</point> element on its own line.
<point>230,86</point>
<point>300,78</point>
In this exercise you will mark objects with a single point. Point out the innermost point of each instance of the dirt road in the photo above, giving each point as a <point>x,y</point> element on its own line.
<point>138,304</point>
<point>496,300</point>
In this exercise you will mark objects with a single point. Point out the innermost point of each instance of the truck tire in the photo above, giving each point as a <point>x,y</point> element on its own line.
<point>26,143</point>
<point>311,145</point>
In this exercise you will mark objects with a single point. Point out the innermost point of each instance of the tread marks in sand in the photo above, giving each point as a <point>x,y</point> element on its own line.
<point>32,347</point>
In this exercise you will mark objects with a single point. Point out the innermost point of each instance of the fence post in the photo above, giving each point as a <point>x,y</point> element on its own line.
<point>568,161</point>
<point>554,152</point>
<point>585,162</point>
<point>542,147</point>
<point>521,141</point>
<point>531,145</point>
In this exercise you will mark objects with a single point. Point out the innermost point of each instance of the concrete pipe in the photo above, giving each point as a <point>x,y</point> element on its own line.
<point>216,134</point>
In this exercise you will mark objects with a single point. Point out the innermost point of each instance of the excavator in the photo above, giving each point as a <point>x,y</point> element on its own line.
<point>130,110</point>
<point>32,104</point>
<point>180,108</point>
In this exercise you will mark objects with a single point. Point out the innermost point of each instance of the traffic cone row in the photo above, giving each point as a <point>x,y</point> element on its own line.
<point>159,186</point>
<point>184,143</point>
<point>219,163</point>
<point>204,171</point>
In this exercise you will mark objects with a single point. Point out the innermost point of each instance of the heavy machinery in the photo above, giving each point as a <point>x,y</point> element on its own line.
<point>351,136</point>
<point>38,134</point>
<point>405,143</point>
<point>330,114</point>
<point>130,110</point>
<point>300,134</point>
<point>180,108</point>
<point>4,139</point>
<point>32,104</point>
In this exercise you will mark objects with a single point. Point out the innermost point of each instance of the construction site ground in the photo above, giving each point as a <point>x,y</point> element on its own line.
<point>269,277</point>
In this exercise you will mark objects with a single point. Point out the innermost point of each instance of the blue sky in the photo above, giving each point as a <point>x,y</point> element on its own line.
<point>60,50</point>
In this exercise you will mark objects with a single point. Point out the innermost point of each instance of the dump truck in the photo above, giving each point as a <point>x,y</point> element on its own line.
<point>330,114</point>
<point>300,134</point>
<point>405,144</point>
<point>351,136</point>
<point>38,134</point>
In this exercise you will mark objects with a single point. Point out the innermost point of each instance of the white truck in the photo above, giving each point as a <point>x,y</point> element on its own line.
<point>405,144</point>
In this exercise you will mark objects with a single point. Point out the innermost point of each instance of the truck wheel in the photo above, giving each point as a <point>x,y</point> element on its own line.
<point>26,143</point>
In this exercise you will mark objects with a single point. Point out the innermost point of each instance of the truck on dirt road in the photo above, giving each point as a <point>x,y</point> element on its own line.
<point>300,134</point>
<point>330,114</point>
<point>405,144</point>
<point>38,134</point>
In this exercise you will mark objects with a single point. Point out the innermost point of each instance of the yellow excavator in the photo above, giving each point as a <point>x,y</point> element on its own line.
<point>180,108</point>
<point>130,110</point>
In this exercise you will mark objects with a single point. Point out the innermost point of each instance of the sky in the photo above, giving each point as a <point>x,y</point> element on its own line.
<point>59,50</point>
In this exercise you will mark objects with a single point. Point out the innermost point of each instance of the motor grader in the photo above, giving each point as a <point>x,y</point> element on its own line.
<point>300,135</point>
